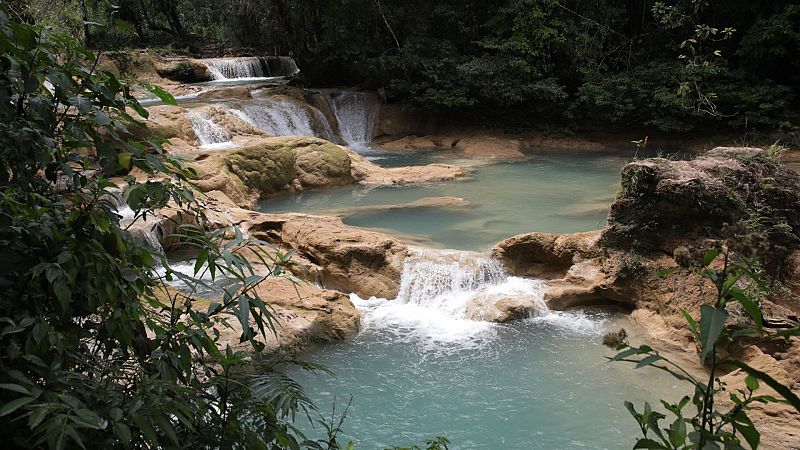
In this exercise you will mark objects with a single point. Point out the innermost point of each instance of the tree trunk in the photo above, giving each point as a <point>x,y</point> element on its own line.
<point>87,36</point>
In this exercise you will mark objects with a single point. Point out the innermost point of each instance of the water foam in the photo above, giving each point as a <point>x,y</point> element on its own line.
<point>435,290</point>
<point>210,135</point>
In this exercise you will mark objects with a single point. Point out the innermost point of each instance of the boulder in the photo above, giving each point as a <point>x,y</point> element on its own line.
<point>266,166</point>
<point>546,254</point>
<point>304,313</point>
<point>271,165</point>
<point>183,70</point>
<point>665,202</point>
<point>335,255</point>
<point>502,310</point>
<point>227,93</point>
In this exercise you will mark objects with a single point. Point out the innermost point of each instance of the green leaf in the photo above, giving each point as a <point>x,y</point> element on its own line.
<point>123,432</point>
<point>677,433</point>
<point>745,427</point>
<point>244,317</point>
<point>162,94</point>
<point>749,306</point>
<point>751,382</point>
<point>692,323</point>
<point>15,388</point>
<point>146,428</point>
<point>201,259</point>
<point>14,405</point>
<point>710,256</point>
<point>648,443</point>
<point>771,382</point>
<point>712,321</point>
<point>124,159</point>
<point>82,103</point>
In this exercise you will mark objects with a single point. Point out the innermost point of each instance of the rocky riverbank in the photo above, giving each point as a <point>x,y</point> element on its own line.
<point>665,208</point>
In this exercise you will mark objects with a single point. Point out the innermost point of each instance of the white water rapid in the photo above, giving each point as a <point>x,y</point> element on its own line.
<point>228,68</point>
<point>211,135</point>
<point>355,113</point>
<point>435,289</point>
<point>285,117</point>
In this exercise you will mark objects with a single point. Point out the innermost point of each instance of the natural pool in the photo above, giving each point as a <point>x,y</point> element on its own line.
<point>420,368</point>
<point>550,191</point>
<point>541,383</point>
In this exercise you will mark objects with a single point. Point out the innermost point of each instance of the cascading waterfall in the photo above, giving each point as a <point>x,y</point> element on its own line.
<point>208,133</point>
<point>435,289</point>
<point>355,113</point>
<point>441,280</point>
<point>284,117</point>
<point>228,68</point>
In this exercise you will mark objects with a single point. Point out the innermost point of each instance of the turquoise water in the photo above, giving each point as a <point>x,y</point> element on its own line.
<point>537,384</point>
<point>550,191</point>
<point>421,368</point>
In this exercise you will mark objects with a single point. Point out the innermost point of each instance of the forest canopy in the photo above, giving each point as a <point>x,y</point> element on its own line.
<point>678,65</point>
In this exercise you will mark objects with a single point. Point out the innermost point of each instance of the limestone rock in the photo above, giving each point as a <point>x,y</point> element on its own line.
<point>545,254</point>
<point>304,313</point>
<point>270,165</point>
<point>664,202</point>
<point>503,310</point>
<point>339,257</point>
<point>183,70</point>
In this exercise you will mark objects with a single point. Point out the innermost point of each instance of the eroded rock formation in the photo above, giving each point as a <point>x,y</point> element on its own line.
<point>270,165</point>
<point>666,204</point>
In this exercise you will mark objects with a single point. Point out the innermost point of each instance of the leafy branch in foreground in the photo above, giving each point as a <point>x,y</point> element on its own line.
<point>98,350</point>
<point>709,426</point>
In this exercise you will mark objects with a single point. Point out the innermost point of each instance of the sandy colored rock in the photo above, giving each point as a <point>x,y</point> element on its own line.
<point>501,311</point>
<point>227,93</point>
<point>545,254</point>
<point>369,173</point>
<point>267,166</point>
<point>335,255</point>
<point>167,121</point>
<point>778,424</point>
<point>305,314</point>
<point>473,146</point>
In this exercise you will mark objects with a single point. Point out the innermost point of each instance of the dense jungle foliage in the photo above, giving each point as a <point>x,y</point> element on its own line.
<point>675,65</point>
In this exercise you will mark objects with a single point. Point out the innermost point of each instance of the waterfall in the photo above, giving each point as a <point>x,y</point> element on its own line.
<point>355,113</point>
<point>443,279</point>
<point>227,68</point>
<point>208,132</point>
<point>436,288</point>
<point>285,117</point>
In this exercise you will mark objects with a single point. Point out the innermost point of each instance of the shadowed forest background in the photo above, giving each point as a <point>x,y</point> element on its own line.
<point>676,66</point>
